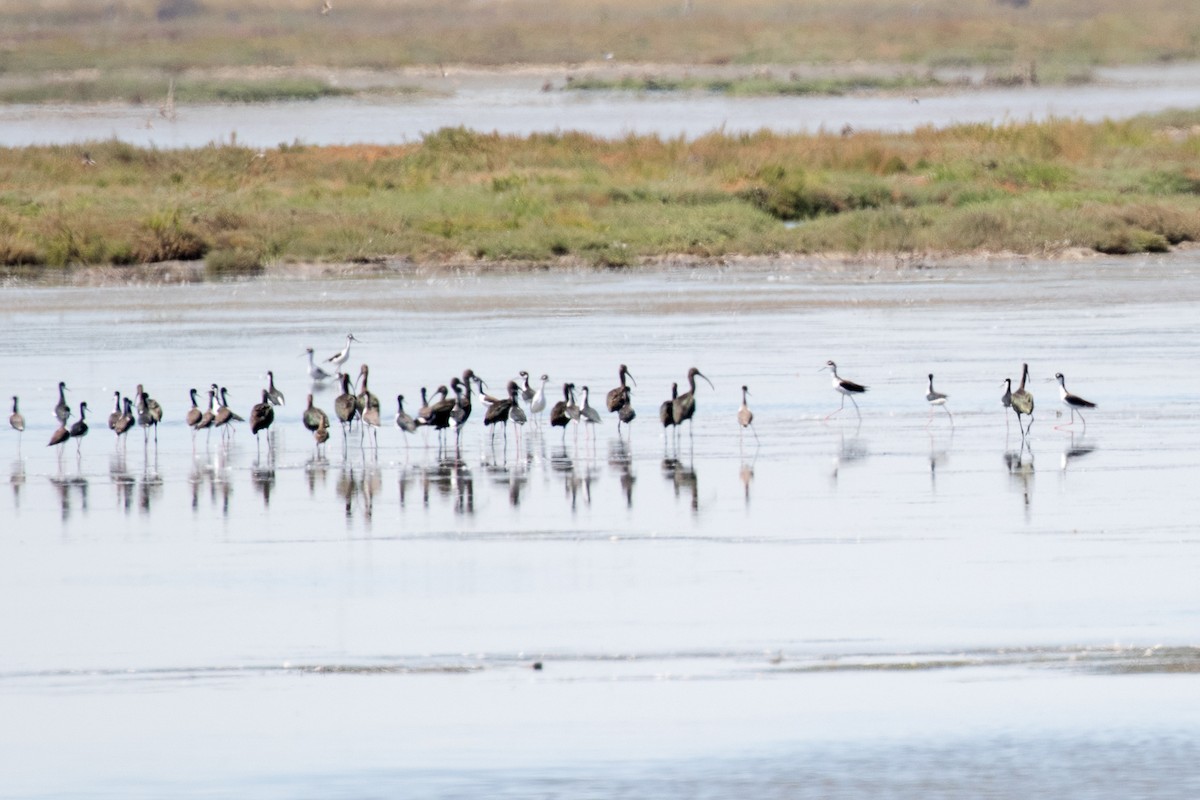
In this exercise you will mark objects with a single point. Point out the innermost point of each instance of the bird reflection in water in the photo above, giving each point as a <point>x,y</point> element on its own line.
<point>214,474</point>
<point>451,478</point>
<point>850,450</point>
<point>938,456</point>
<point>1020,470</point>
<point>150,488</point>
<point>316,472</point>
<point>1076,449</point>
<point>746,473</point>
<point>67,486</point>
<point>123,481</point>
<point>359,486</point>
<point>16,478</point>
<point>575,477</point>
<point>262,475</point>
<point>620,460</point>
<point>682,476</point>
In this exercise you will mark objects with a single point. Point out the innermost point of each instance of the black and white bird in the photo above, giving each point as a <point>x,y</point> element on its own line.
<point>342,356</point>
<point>936,398</point>
<point>745,416</point>
<point>846,388</point>
<point>1072,401</point>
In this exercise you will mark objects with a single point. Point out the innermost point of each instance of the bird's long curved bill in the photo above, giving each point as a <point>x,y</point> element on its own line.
<point>706,380</point>
<point>629,375</point>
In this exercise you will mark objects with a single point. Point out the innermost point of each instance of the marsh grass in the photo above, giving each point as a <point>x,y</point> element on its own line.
<point>1115,187</point>
<point>1061,36</point>
<point>139,88</point>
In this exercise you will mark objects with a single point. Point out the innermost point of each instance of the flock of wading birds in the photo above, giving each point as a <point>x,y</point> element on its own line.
<point>442,412</point>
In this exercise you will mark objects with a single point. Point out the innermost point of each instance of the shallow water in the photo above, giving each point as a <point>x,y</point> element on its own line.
<point>519,106</point>
<point>895,606</point>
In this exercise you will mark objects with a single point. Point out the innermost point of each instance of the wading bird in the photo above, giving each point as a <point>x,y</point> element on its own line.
<point>683,407</point>
<point>345,406</point>
<point>1022,402</point>
<point>538,404</point>
<point>261,416</point>
<point>666,412</point>
<point>560,413</point>
<point>341,357</point>
<point>16,420</point>
<point>745,416</point>
<point>1006,400</point>
<point>845,388</point>
<point>149,413</point>
<point>403,421</point>
<point>315,373</point>
<point>273,394</point>
<point>62,411</point>
<point>619,397</point>
<point>935,398</point>
<point>1072,401</point>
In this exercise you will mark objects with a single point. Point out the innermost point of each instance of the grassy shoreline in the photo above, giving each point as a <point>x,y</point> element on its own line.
<point>460,196</point>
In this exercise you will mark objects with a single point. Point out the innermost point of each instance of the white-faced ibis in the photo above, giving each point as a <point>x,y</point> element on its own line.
<point>115,416</point>
<point>844,387</point>
<point>313,416</point>
<point>365,400</point>
<point>1072,401</point>
<point>273,394</point>
<point>321,434</point>
<point>1022,402</point>
<point>124,420</point>
<point>745,416</point>
<point>62,411</point>
<point>560,413</point>
<point>341,357</point>
<point>345,405</point>
<point>262,415</point>
<point>936,398</point>
<point>315,373</point>
<point>194,414</point>
<point>501,410</point>
<point>619,396</point>
<point>683,407</point>
<point>666,412</point>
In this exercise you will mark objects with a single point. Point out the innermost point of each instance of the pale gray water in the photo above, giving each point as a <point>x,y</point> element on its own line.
<point>520,107</point>
<point>847,610</point>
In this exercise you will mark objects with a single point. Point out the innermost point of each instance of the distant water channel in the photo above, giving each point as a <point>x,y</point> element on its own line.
<point>894,607</point>
<point>519,106</point>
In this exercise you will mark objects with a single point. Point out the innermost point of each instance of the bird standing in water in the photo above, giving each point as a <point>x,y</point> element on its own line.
<point>745,416</point>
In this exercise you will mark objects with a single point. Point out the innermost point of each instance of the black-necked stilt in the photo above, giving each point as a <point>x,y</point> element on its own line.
<point>527,391</point>
<point>620,396</point>
<point>224,415</point>
<point>62,411</point>
<point>1072,401</point>
<point>341,357</point>
<point>501,410</point>
<point>149,412</point>
<point>936,398</point>
<point>538,404</point>
<point>845,388</point>
<point>745,416</point>
<point>683,407</point>
<point>273,394</point>
<point>1022,402</point>
<point>315,373</point>
<point>16,420</point>
<point>194,414</point>
<point>77,431</point>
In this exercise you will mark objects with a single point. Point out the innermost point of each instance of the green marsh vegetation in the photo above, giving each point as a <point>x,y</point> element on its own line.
<point>1116,187</point>
<point>126,41</point>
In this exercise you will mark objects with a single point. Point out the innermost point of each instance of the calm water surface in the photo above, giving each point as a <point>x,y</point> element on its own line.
<point>517,105</point>
<point>888,607</point>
